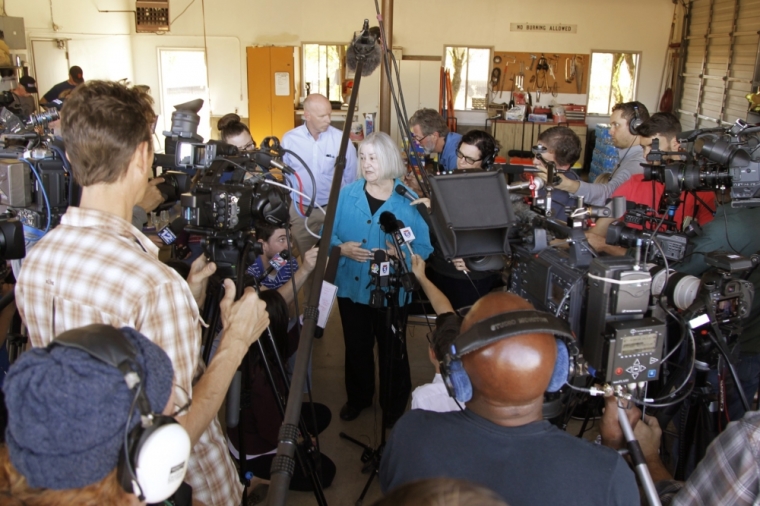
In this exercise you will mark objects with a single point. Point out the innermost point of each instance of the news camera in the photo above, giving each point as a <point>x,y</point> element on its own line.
<point>667,245</point>
<point>35,178</point>
<point>715,159</point>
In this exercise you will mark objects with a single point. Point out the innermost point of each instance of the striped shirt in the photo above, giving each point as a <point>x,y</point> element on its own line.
<point>97,268</point>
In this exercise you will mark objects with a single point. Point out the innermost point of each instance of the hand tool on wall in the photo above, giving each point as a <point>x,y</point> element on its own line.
<point>520,78</point>
<point>496,81</point>
<point>569,69</point>
<point>512,93</point>
<point>578,63</point>
<point>532,62</point>
<point>506,67</point>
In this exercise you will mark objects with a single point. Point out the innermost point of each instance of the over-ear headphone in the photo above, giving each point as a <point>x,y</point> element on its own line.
<point>153,460</point>
<point>488,160</point>
<point>503,326</point>
<point>635,122</point>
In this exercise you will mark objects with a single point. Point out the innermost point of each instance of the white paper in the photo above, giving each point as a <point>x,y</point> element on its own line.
<point>326,301</point>
<point>282,84</point>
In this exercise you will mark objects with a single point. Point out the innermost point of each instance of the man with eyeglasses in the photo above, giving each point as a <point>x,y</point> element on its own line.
<point>430,132</point>
<point>563,148</point>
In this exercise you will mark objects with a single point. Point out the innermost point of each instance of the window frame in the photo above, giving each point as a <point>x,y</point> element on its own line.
<point>637,79</point>
<point>341,68</point>
<point>487,76</point>
<point>163,104</point>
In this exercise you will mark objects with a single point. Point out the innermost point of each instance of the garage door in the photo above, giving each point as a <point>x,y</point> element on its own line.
<point>720,66</point>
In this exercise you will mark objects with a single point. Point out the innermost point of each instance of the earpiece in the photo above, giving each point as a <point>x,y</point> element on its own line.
<point>504,326</point>
<point>153,461</point>
<point>635,122</point>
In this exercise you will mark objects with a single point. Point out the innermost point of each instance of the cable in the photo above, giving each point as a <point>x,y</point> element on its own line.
<point>652,237</point>
<point>44,193</point>
<point>313,198</point>
<point>725,230</point>
<point>181,13</point>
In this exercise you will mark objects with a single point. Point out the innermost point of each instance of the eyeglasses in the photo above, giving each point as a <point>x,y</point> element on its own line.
<point>249,146</point>
<point>420,139</point>
<point>467,158</point>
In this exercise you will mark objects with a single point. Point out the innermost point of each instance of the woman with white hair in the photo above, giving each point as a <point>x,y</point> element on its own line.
<point>358,233</point>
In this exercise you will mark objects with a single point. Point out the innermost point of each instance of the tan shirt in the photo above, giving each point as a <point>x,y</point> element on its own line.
<point>97,268</point>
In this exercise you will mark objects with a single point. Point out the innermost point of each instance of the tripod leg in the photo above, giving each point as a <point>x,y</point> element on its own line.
<point>343,435</point>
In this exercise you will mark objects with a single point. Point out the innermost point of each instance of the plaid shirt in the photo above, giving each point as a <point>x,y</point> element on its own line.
<point>97,268</point>
<point>729,474</point>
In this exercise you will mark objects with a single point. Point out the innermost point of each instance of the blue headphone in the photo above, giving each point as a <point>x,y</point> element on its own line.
<point>503,326</point>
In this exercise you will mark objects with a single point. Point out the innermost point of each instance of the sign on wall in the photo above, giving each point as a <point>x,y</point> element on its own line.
<point>542,28</point>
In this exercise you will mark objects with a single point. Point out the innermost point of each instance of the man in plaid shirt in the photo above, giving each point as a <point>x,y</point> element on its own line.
<point>728,474</point>
<point>95,267</point>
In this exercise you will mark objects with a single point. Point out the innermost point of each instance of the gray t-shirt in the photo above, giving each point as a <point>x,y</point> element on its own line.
<point>630,165</point>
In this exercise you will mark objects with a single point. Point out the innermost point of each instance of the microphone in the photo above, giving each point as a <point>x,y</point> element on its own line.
<point>388,222</point>
<point>266,160</point>
<point>364,46</point>
<point>390,225</point>
<point>379,271</point>
<point>170,232</point>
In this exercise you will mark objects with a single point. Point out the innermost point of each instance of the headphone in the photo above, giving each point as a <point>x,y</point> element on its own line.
<point>635,122</point>
<point>503,326</point>
<point>488,160</point>
<point>153,460</point>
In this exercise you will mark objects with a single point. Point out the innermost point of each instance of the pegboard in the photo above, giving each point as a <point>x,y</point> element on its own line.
<point>509,66</point>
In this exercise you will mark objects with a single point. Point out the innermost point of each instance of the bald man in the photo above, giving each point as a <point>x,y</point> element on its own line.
<point>317,143</point>
<point>500,440</point>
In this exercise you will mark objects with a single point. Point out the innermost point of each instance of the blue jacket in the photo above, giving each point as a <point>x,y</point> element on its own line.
<point>353,222</point>
<point>448,157</point>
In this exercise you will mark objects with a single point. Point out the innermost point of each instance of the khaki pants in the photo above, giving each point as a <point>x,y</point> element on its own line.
<point>302,239</point>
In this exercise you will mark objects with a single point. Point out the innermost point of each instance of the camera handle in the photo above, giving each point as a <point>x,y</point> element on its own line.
<point>637,456</point>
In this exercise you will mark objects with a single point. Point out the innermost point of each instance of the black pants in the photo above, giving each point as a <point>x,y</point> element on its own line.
<point>261,465</point>
<point>362,326</point>
<point>461,292</point>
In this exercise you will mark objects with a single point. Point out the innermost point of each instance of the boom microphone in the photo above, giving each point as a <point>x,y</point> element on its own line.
<point>365,47</point>
<point>422,208</point>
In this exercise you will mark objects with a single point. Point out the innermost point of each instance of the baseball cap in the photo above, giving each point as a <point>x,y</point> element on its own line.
<point>76,74</point>
<point>29,84</point>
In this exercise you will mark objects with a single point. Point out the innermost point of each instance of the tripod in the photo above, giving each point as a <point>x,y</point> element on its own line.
<point>395,332</point>
<point>238,396</point>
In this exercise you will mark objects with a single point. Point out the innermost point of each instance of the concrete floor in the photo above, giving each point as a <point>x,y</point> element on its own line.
<point>328,388</point>
<point>327,371</point>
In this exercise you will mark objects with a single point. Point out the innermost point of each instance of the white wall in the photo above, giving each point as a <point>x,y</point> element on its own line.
<point>422,27</point>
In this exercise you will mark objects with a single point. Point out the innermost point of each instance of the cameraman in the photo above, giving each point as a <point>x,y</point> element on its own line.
<point>695,206</point>
<point>95,267</point>
<point>273,242</point>
<point>563,148</point>
<point>631,154</point>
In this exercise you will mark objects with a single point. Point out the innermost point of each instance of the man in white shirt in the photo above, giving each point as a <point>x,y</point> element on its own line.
<point>317,143</point>
<point>434,396</point>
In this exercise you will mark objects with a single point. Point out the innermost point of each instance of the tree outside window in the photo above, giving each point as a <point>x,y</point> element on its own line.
<point>469,68</point>
<point>323,69</point>
<point>614,76</point>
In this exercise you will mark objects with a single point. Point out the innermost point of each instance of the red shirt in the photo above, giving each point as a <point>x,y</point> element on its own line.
<point>640,191</point>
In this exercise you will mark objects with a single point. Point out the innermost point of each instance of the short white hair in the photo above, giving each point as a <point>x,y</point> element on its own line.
<point>390,164</point>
